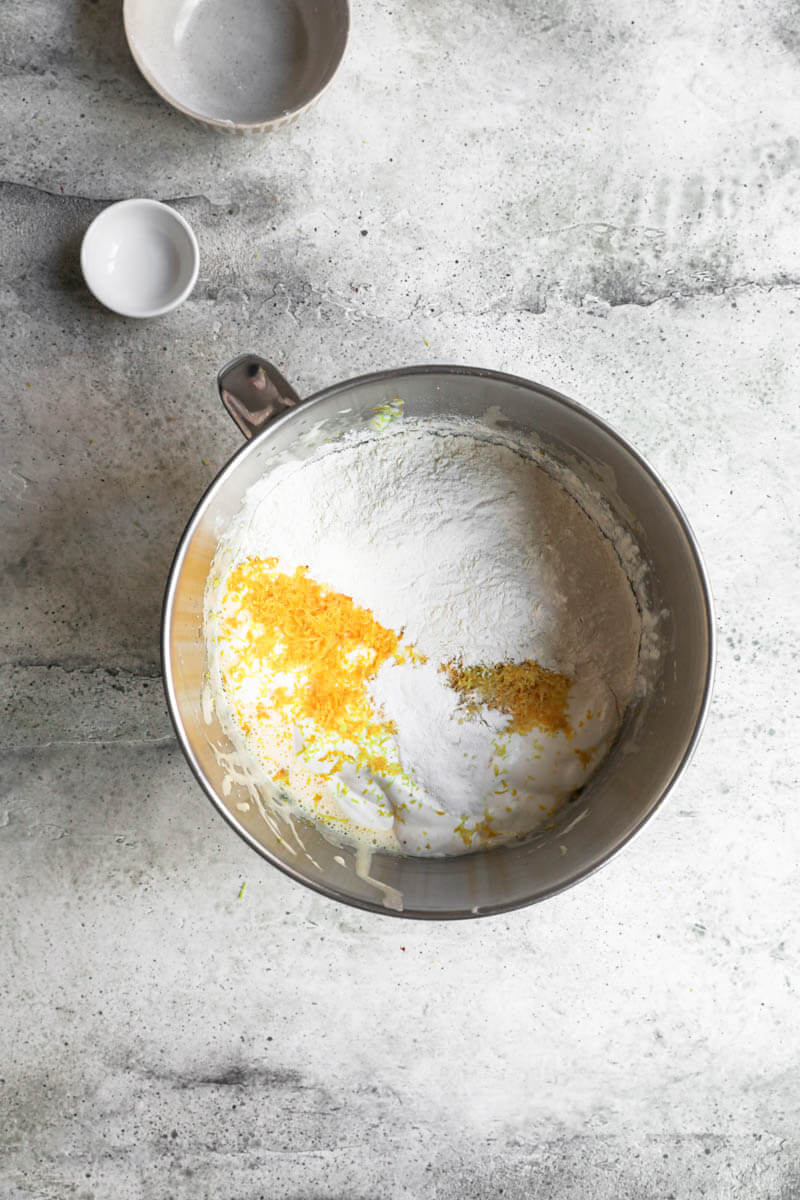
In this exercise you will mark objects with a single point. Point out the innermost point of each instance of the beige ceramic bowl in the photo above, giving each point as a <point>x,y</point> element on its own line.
<point>244,66</point>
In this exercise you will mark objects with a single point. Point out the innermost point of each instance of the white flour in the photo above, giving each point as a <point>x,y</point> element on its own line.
<point>475,554</point>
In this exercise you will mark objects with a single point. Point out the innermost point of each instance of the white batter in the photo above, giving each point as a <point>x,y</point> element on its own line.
<point>474,559</point>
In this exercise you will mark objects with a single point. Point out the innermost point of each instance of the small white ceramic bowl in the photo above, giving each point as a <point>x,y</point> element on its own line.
<point>140,258</point>
<point>243,66</point>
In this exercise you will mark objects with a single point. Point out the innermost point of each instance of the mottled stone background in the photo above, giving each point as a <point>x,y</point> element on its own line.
<point>600,196</point>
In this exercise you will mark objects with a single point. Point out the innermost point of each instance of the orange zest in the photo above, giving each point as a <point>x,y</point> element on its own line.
<point>530,694</point>
<point>329,646</point>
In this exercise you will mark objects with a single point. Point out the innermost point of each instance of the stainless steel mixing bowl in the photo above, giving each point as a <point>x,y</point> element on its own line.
<point>658,735</point>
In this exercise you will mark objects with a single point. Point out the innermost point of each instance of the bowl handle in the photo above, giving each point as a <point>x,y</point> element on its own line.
<point>253,391</point>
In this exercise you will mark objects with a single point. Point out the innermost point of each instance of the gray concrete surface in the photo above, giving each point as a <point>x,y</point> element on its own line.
<point>603,197</point>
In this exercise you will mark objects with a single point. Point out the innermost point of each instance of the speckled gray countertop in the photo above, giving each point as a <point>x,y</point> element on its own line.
<point>602,197</point>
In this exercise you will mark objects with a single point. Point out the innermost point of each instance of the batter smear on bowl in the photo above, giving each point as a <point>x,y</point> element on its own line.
<point>420,638</point>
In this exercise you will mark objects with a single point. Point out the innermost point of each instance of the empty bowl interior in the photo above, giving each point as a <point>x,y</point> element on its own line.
<point>238,61</point>
<point>139,258</point>
<point>659,730</point>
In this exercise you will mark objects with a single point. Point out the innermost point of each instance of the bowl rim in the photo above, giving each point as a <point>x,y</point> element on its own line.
<point>377,906</point>
<point>141,203</point>
<point>220,123</point>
